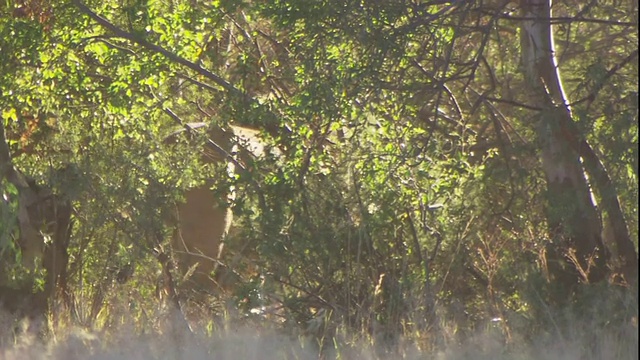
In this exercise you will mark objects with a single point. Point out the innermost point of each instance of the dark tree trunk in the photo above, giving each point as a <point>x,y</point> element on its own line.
<point>42,215</point>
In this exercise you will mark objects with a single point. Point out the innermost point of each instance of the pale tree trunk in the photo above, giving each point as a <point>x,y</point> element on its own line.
<point>577,253</point>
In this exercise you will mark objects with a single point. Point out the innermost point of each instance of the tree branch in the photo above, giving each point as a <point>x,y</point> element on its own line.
<point>565,20</point>
<point>592,95</point>
<point>158,49</point>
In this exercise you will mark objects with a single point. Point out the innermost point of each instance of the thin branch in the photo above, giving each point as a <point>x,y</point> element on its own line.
<point>592,95</point>
<point>210,142</point>
<point>512,102</point>
<point>567,19</point>
<point>197,83</point>
<point>273,130</point>
<point>158,49</point>
<point>226,154</point>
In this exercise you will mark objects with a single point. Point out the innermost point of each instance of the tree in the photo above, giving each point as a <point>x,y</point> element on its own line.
<point>574,222</point>
<point>417,170</point>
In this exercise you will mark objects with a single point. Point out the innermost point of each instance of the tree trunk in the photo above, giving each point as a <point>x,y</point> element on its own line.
<point>42,215</point>
<point>576,253</point>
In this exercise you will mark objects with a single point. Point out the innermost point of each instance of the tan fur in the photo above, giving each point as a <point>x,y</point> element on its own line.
<point>202,224</point>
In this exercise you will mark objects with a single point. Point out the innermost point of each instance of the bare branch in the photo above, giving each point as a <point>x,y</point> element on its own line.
<point>568,20</point>
<point>592,95</point>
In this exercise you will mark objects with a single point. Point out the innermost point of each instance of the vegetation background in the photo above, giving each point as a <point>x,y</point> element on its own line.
<point>443,188</point>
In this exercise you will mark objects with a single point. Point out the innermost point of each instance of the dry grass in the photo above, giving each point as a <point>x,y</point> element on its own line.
<point>249,339</point>
<point>601,328</point>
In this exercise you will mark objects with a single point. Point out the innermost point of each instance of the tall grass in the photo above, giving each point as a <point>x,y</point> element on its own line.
<point>604,327</point>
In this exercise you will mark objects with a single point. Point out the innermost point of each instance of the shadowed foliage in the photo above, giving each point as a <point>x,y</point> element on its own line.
<point>429,175</point>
